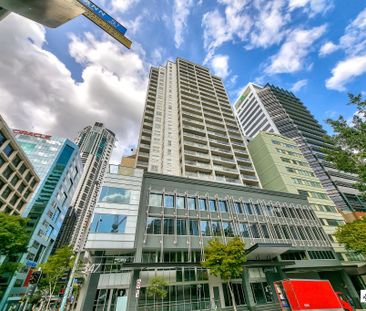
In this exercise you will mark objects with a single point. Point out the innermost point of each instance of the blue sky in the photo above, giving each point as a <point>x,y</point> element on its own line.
<point>59,80</point>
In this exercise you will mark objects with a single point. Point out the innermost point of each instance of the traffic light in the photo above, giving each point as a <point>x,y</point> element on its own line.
<point>36,275</point>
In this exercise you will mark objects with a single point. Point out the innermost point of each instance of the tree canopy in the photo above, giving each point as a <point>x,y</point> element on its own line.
<point>349,138</point>
<point>225,260</point>
<point>13,234</point>
<point>156,287</point>
<point>353,236</point>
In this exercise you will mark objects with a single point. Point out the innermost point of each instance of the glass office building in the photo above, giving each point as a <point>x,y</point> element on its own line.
<point>57,162</point>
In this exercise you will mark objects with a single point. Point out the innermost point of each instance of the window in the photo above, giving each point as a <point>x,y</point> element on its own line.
<point>8,150</point>
<point>238,209</point>
<point>244,230</point>
<point>2,138</point>
<point>205,228</point>
<point>212,204</point>
<point>216,228</point>
<point>294,233</point>
<point>248,209</point>
<point>265,231</point>
<point>277,232</point>
<point>228,229</point>
<point>7,172</point>
<point>15,180</point>
<point>180,202</point>
<point>202,204</point>
<point>16,161</point>
<point>155,199</point>
<point>181,227</point>
<point>6,193</point>
<point>153,225</point>
<point>193,227</point>
<point>255,231</point>
<point>223,206</point>
<point>192,203</point>
<point>168,226</point>
<point>258,209</point>
<point>114,195</point>
<point>169,201</point>
<point>108,223</point>
<point>56,214</point>
<point>286,232</point>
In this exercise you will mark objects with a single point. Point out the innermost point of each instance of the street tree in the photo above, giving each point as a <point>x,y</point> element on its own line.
<point>56,267</point>
<point>14,238</point>
<point>156,288</point>
<point>225,261</point>
<point>349,139</point>
<point>353,235</point>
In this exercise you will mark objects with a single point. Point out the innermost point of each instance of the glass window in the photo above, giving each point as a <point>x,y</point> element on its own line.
<point>294,233</point>
<point>286,232</point>
<point>193,227</point>
<point>258,209</point>
<point>202,204</point>
<point>228,229</point>
<point>15,180</point>
<point>292,212</point>
<point>108,223</point>
<point>8,150</point>
<point>181,202</point>
<point>223,206</point>
<point>265,231</point>
<point>255,231</point>
<point>205,228</point>
<point>278,232</point>
<point>216,228</point>
<point>302,234</point>
<point>192,204</point>
<point>114,195</point>
<point>248,208</point>
<point>16,161</point>
<point>2,161</point>
<point>169,201</point>
<point>244,230</point>
<point>212,204</point>
<point>181,227</point>
<point>168,226</point>
<point>238,209</point>
<point>6,193</point>
<point>269,210</point>
<point>2,138</point>
<point>153,225</point>
<point>155,199</point>
<point>7,172</point>
<point>56,214</point>
<point>258,293</point>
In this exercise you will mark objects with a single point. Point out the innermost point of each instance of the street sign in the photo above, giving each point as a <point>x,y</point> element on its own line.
<point>106,22</point>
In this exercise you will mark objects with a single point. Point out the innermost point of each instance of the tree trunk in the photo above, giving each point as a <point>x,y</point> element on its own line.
<point>232,295</point>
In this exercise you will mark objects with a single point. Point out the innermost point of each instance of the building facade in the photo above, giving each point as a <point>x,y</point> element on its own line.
<point>189,129</point>
<point>176,218</point>
<point>96,144</point>
<point>273,109</point>
<point>57,162</point>
<point>111,239</point>
<point>18,178</point>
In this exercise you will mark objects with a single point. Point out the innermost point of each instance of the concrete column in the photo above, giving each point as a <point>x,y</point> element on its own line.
<point>132,300</point>
<point>247,290</point>
<point>273,274</point>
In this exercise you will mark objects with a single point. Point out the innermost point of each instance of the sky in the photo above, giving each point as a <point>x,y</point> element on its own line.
<point>58,80</point>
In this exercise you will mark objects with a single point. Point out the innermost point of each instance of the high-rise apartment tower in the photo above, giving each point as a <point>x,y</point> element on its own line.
<point>273,109</point>
<point>189,128</point>
<point>96,143</point>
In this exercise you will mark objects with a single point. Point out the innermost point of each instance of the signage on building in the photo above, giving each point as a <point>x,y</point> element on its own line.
<point>30,263</point>
<point>38,135</point>
<point>138,286</point>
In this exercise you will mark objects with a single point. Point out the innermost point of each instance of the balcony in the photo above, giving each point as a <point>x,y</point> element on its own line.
<point>223,159</point>
<point>251,177</point>
<point>198,123</point>
<point>226,169</point>
<point>226,151</point>
<point>227,179</point>
<point>143,155</point>
<point>199,175</point>
<point>195,137</point>
<point>219,142</point>
<point>196,155</point>
<point>197,166</point>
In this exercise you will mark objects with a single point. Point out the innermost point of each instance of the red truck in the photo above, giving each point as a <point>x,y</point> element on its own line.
<point>304,295</point>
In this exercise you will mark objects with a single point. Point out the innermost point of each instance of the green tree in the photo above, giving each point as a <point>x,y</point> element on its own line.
<point>353,235</point>
<point>53,270</point>
<point>349,138</point>
<point>156,288</point>
<point>14,238</point>
<point>225,261</point>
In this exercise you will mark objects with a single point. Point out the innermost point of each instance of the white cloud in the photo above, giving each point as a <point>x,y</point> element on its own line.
<point>38,92</point>
<point>345,71</point>
<point>353,43</point>
<point>311,7</point>
<point>328,48</point>
<point>180,14</point>
<point>220,65</point>
<point>122,5</point>
<point>293,52</point>
<point>299,85</point>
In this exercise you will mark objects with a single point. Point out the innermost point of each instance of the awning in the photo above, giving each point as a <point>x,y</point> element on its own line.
<point>266,251</point>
